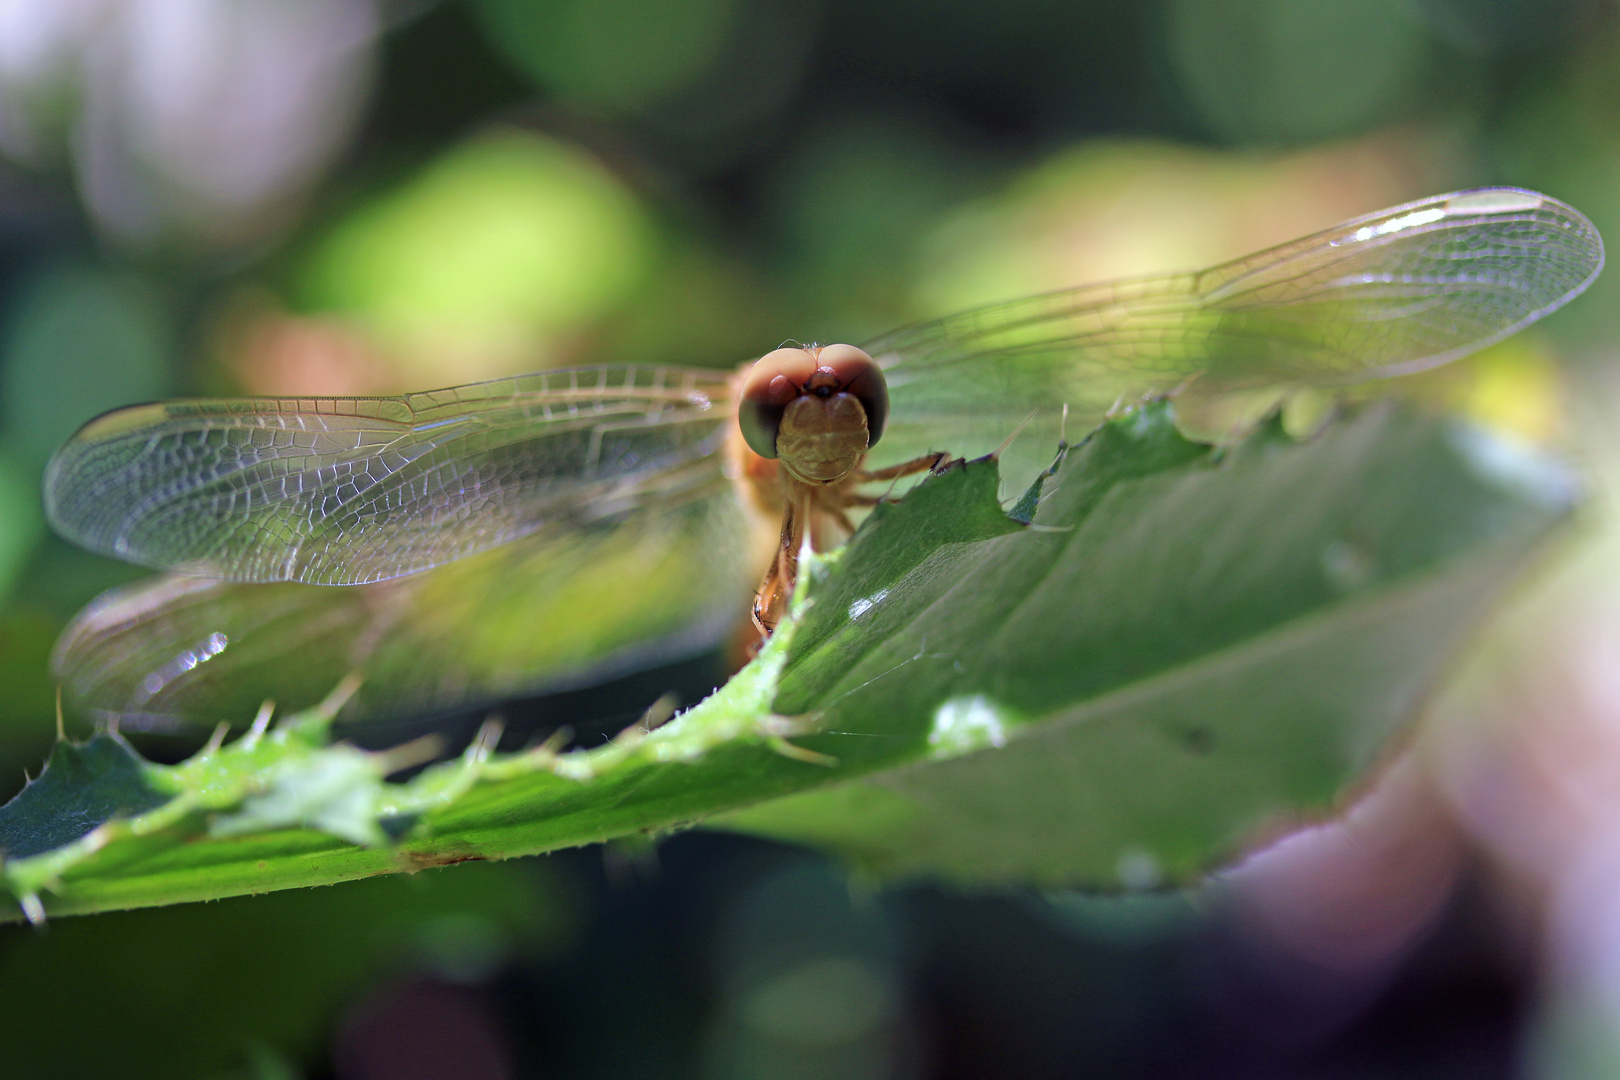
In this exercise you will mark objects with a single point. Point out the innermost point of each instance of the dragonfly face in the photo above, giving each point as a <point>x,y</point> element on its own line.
<point>481,531</point>
<point>817,409</point>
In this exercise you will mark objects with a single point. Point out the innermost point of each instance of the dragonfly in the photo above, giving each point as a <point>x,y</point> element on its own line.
<point>551,530</point>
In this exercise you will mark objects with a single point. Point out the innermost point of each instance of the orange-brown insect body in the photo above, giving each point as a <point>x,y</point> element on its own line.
<point>805,420</point>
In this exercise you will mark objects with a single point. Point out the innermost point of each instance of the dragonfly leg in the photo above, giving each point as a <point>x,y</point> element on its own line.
<point>905,468</point>
<point>779,579</point>
<point>771,600</point>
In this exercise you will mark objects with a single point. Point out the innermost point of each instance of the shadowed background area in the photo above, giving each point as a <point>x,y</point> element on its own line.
<point>375,196</point>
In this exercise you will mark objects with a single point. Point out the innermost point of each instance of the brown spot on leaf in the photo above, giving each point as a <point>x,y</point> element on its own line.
<point>423,860</point>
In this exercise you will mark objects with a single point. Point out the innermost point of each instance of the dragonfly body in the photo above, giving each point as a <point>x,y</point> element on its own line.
<point>445,508</point>
<point>815,412</point>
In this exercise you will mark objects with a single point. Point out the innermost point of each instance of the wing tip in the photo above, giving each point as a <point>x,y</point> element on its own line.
<point>1493,200</point>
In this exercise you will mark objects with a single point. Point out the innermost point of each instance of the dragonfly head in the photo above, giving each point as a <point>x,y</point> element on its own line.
<point>817,409</point>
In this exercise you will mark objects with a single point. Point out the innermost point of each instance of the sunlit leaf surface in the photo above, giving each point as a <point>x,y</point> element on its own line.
<point>1190,650</point>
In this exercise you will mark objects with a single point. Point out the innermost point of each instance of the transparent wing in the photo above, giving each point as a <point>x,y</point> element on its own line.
<point>557,608</point>
<point>1393,292</point>
<point>340,491</point>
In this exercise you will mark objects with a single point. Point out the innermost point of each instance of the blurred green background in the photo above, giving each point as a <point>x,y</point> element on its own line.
<point>363,196</point>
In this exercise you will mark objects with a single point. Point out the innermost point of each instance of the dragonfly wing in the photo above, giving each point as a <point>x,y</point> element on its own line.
<point>559,607</point>
<point>1393,292</point>
<point>340,491</point>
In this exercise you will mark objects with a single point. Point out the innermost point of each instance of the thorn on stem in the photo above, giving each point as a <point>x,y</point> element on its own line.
<point>216,740</point>
<point>486,739</point>
<point>340,695</point>
<point>995,454</point>
<point>800,753</point>
<point>547,750</point>
<point>656,714</point>
<point>661,711</point>
<point>261,724</point>
<point>407,755</point>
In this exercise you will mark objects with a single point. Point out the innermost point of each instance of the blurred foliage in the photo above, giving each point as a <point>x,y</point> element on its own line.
<point>487,263</point>
<point>1115,209</point>
<point>82,341</point>
<point>256,973</point>
<point>22,523</point>
<point>613,54</point>
<point>1272,70</point>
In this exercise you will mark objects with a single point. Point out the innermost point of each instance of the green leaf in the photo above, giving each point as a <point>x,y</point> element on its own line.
<point>1202,646</point>
<point>82,787</point>
<point>1164,652</point>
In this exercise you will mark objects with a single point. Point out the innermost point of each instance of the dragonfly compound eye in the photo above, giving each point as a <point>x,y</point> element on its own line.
<point>780,376</point>
<point>859,376</point>
<point>775,379</point>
